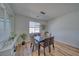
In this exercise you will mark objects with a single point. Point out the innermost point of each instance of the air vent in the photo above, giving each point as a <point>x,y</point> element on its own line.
<point>42,12</point>
<point>37,16</point>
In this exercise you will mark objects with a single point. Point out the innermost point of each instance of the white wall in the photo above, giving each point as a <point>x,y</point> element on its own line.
<point>66,29</point>
<point>22,24</point>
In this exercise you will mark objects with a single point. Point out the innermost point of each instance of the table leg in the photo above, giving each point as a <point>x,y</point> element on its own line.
<point>44,51</point>
<point>38,49</point>
<point>49,48</point>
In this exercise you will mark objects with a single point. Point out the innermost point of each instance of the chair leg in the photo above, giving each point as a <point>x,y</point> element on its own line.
<point>30,45</point>
<point>44,51</point>
<point>33,48</point>
<point>49,48</point>
<point>39,50</point>
<point>53,46</point>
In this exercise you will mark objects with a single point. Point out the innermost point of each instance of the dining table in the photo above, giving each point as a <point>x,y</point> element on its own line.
<point>40,40</point>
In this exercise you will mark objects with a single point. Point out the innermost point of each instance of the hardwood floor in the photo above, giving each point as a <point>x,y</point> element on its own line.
<point>61,49</point>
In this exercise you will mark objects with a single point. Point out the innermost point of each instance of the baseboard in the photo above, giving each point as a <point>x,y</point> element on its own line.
<point>61,42</point>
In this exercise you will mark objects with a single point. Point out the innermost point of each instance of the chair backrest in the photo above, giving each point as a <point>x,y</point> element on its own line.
<point>48,41</point>
<point>33,40</point>
<point>45,42</point>
<point>51,40</point>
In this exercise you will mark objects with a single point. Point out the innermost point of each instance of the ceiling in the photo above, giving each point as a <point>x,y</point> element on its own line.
<point>52,10</point>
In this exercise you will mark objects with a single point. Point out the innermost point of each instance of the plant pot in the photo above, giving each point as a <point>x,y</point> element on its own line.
<point>23,43</point>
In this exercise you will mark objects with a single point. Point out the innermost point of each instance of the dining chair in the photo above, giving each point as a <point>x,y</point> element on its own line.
<point>51,42</point>
<point>33,42</point>
<point>47,42</point>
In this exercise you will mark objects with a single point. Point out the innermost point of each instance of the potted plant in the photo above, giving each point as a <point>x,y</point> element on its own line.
<point>23,36</point>
<point>12,35</point>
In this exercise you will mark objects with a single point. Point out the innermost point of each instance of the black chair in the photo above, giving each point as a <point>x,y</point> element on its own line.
<point>47,42</point>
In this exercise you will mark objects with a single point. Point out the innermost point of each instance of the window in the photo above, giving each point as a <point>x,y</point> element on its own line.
<point>34,27</point>
<point>8,26</point>
<point>5,24</point>
<point>1,25</point>
<point>5,27</point>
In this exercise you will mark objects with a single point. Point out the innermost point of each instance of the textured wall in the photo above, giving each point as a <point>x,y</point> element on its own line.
<point>66,29</point>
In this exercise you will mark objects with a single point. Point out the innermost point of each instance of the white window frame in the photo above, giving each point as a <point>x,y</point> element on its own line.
<point>5,21</point>
<point>34,27</point>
